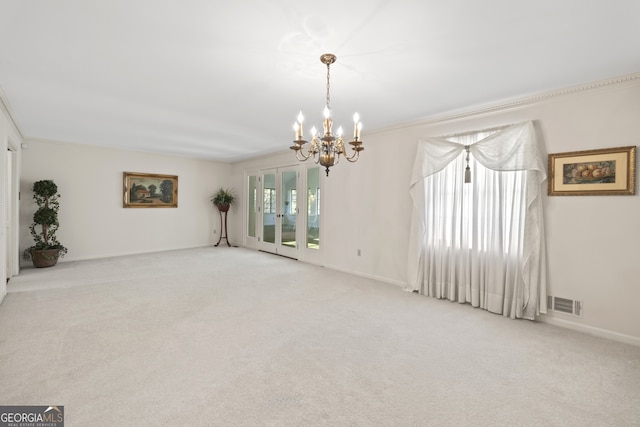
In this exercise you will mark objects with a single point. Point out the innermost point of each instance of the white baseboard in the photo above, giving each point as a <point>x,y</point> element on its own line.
<point>556,321</point>
<point>122,254</point>
<point>368,276</point>
<point>591,330</point>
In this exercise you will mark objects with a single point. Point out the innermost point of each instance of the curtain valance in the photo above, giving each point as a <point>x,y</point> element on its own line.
<point>513,148</point>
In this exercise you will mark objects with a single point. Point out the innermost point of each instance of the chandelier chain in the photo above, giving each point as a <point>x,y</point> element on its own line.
<point>328,86</point>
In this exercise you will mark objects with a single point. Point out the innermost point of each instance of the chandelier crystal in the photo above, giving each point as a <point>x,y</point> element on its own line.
<point>327,148</point>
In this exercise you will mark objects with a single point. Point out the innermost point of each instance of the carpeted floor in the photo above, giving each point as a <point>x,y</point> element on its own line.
<point>234,337</point>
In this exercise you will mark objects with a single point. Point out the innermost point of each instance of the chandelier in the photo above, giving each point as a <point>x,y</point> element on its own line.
<point>327,149</point>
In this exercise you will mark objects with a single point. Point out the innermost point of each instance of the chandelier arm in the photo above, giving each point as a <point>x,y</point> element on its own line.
<point>304,157</point>
<point>354,157</point>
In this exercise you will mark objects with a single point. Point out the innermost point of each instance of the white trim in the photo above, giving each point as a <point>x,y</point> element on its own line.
<point>368,276</point>
<point>591,330</point>
<point>125,254</point>
<point>8,111</point>
<point>507,105</point>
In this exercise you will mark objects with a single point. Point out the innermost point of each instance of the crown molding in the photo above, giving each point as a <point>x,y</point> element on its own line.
<point>516,103</point>
<point>8,112</point>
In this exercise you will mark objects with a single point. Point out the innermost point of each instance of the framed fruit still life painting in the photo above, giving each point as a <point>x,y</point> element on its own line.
<point>608,171</point>
<point>145,190</point>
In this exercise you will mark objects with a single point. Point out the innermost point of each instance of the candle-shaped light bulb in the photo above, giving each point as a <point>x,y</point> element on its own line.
<point>327,120</point>
<point>356,120</point>
<point>300,129</point>
<point>296,129</point>
<point>358,129</point>
<point>339,132</point>
<point>313,132</point>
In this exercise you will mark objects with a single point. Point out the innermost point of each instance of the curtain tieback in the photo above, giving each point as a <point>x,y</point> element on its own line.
<point>467,171</point>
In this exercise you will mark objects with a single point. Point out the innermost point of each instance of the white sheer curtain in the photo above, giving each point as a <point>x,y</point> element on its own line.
<point>481,242</point>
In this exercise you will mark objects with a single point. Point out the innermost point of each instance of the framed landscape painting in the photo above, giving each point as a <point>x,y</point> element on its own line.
<point>609,171</point>
<point>145,190</point>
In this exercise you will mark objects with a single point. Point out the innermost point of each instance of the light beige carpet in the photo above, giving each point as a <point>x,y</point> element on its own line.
<point>233,337</point>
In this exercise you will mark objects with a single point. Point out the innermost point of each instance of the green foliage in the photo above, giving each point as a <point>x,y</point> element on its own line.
<point>46,189</point>
<point>166,188</point>
<point>45,215</point>
<point>45,219</point>
<point>224,196</point>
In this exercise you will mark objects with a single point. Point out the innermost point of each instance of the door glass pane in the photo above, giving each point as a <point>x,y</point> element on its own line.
<point>252,206</point>
<point>288,208</point>
<point>269,208</point>
<point>313,208</point>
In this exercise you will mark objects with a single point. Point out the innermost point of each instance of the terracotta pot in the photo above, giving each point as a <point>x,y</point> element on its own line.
<point>223,208</point>
<point>45,258</point>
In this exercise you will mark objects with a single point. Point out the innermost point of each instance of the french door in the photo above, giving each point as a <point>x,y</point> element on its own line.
<point>279,211</point>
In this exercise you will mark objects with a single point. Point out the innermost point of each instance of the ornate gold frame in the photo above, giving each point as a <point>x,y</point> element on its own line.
<point>156,191</point>
<point>603,172</point>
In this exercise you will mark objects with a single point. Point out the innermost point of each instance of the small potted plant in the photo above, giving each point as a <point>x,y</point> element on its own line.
<point>223,199</point>
<point>47,249</point>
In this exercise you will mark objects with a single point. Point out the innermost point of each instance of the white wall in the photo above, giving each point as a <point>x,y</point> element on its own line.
<point>93,223</point>
<point>591,240</point>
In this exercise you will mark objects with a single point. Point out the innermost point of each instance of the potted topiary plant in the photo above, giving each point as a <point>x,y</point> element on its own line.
<point>47,249</point>
<point>223,199</point>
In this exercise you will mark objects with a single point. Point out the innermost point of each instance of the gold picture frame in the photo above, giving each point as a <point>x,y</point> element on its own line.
<point>147,190</point>
<point>606,172</point>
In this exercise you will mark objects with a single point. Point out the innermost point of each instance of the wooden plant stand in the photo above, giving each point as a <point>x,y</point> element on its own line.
<point>223,209</point>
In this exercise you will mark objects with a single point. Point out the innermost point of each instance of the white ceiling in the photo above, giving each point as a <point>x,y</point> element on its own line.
<point>224,80</point>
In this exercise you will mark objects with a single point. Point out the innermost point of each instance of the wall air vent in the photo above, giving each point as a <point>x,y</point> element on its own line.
<point>564,305</point>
